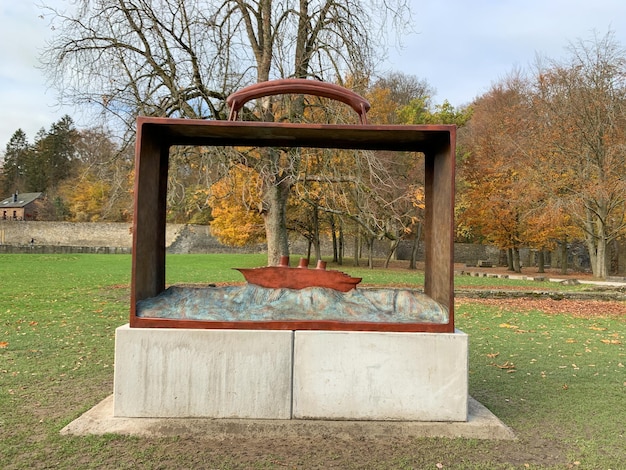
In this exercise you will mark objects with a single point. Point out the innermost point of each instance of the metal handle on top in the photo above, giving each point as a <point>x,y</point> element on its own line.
<point>297,86</point>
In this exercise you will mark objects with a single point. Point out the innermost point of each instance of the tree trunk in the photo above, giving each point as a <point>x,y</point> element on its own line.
<point>333,231</point>
<point>509,259</point>
<point>601,270</point>
<point>370,252</point>
<point>415,248</point>
<point>357,248</point>
<point>360,245</point>
<point>341,243</point>
<point>613,258</point>
<point>541,261</point>
<point>596,240</point>
<point>392,250</point>
<point>517,266</point>
<point>316,233</point>
<point>563,246</point>
<point>275,217</point>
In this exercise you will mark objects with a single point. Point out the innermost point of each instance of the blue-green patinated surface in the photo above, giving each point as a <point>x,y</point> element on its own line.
<point>253,303</point>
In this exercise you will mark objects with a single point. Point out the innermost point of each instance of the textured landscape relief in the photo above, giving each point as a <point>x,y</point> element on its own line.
<point>254,303</point>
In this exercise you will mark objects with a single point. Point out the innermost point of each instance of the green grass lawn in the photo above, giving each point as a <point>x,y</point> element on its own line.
<point>558,381</point>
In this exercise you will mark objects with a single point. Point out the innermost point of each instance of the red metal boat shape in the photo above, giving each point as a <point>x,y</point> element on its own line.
<point>299,277</point>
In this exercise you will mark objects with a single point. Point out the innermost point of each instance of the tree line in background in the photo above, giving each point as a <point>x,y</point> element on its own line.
<point>545,156</point>
<point>540,155</point>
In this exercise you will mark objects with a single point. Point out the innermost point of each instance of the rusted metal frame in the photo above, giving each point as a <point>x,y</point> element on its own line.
<point>439,226</point>
<point>156,135</point>
<point>151,168</point>
<point>329,325</point>
<point>420,138</point>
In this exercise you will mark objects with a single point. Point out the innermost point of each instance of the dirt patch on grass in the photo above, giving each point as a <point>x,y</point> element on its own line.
<point>328,452</point>
<point>576,308</point>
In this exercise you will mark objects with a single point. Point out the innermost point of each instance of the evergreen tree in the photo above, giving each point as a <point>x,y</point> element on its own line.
<point>59,150</point>
<point>16,156</point>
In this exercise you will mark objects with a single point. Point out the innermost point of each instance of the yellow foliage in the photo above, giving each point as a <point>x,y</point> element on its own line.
<point>85,198</point>
<point>417,197</point>
<point>235,202</point>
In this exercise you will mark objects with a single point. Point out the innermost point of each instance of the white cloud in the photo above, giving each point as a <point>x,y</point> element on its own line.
<point>25,100</point>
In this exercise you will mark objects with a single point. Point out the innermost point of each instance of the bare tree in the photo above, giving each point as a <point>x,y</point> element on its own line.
<point>372,192</point>
<point>182,58</point>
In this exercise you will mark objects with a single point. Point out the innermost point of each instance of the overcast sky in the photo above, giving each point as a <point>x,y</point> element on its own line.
<point>460,47</point>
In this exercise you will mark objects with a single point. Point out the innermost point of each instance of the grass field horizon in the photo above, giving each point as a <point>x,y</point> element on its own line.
<point>557,379</point>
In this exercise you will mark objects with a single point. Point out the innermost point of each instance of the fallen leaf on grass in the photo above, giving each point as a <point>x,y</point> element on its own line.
<point>611,341</point>
<point>506,365</point>
<point>597,328</point>
<point>507,325</point>
<point>4,344</point>
<point>492,355</point>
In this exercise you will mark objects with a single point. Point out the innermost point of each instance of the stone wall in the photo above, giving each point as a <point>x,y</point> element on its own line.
<point>84,237</point>
<point>198,239</point>
<point>74,233</point>
<point>64,249</point>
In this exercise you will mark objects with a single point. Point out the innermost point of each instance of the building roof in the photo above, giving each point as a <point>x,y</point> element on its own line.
<point>19,200</point>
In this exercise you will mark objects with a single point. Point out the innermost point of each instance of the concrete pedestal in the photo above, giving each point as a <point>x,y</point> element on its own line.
<point>259,374</point>
<point>380,376</point>
<point>202,373</point>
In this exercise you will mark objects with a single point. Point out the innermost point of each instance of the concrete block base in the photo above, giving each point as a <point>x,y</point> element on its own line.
<point>380,376</point>
<point>263,374</point>
<point>202,373</point>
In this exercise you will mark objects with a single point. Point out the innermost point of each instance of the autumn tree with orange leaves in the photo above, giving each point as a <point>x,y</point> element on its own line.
<point>580,104</point>
<point>547,155</point>
<point>99,184</point>
<point>234,200</point>
<point>494,204</point>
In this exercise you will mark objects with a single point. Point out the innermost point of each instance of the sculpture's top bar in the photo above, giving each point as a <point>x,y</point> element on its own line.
<point>418,138</point>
